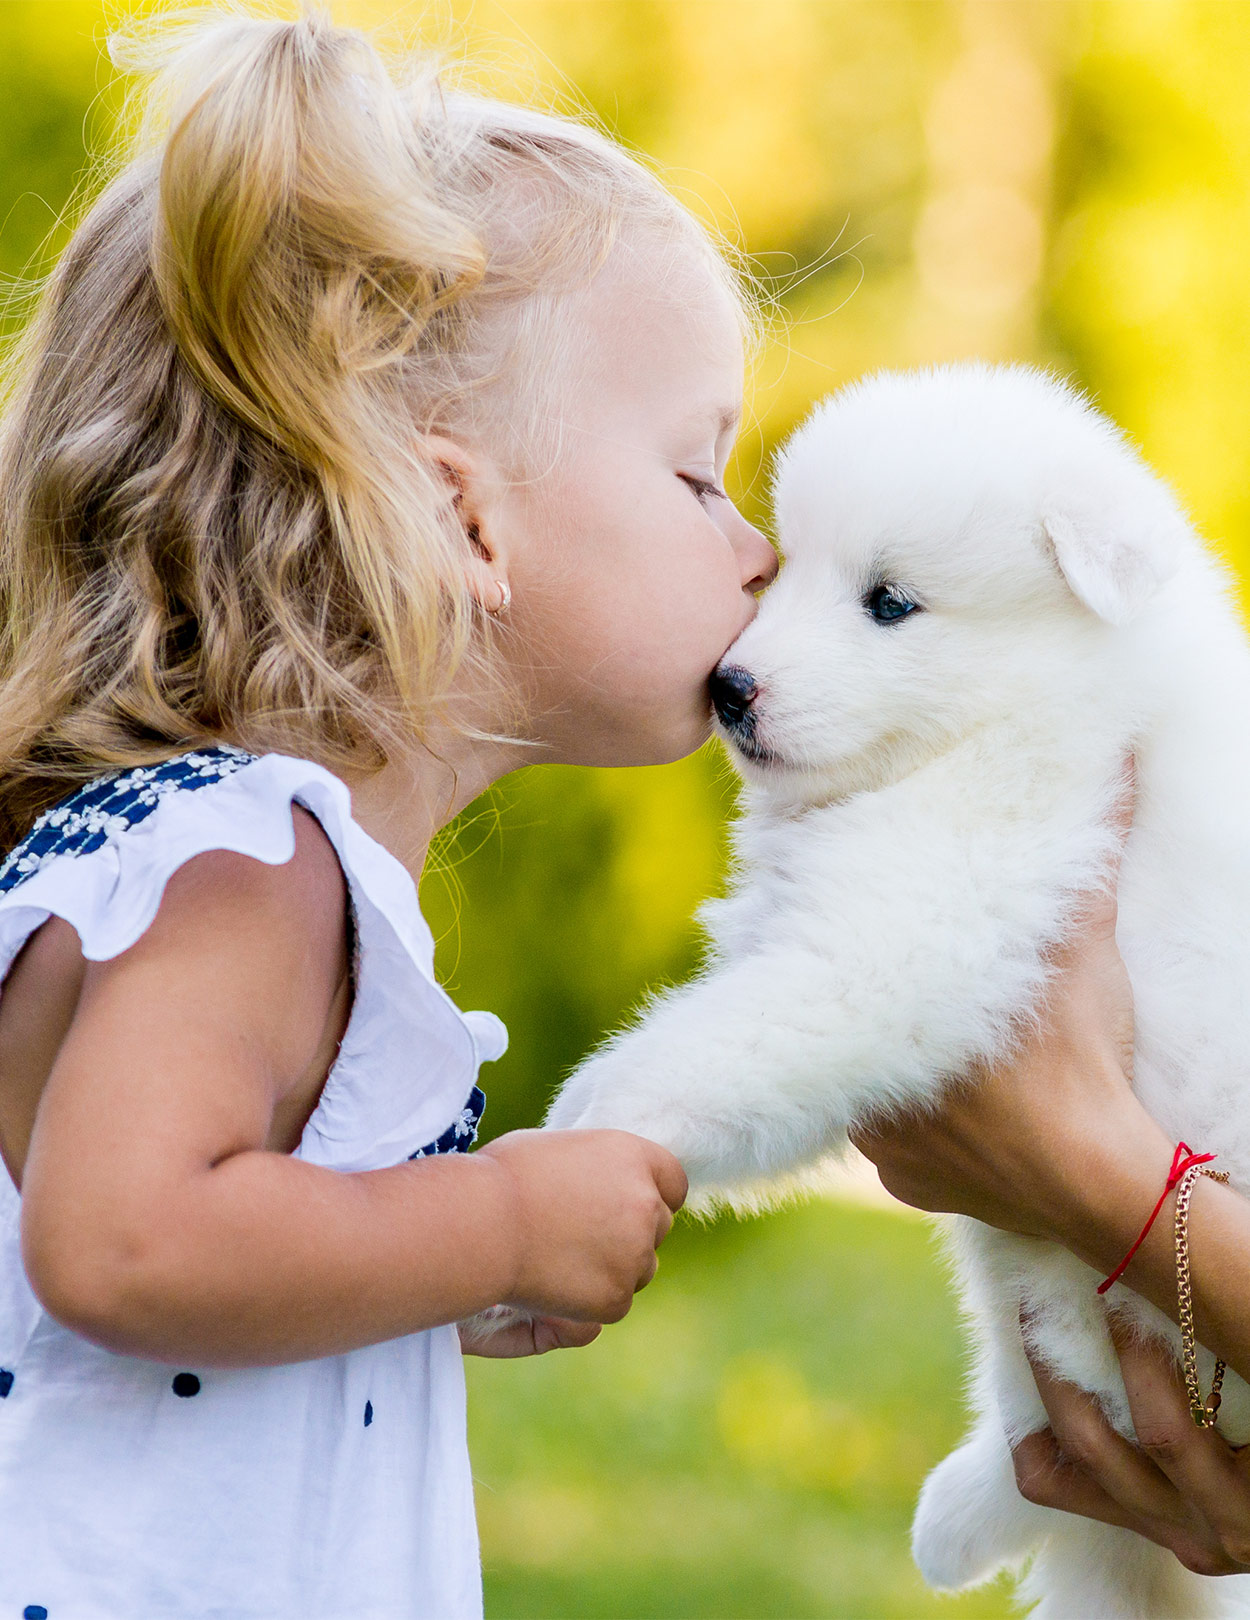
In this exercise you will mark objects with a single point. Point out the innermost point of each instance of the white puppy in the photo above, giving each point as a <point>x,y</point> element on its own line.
<point>988,603</point>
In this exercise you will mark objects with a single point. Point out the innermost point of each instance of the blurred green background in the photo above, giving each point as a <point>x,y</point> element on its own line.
<point>1063,181</point>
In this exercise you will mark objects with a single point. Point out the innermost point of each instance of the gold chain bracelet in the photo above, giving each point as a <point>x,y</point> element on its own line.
<point>1203,1412</point>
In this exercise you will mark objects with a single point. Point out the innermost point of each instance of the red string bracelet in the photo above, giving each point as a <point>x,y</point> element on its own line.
<point>1183,1159</point>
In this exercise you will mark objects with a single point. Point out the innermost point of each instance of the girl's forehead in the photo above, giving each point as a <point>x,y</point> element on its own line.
<point>680,337</point>
<point>679,299</point>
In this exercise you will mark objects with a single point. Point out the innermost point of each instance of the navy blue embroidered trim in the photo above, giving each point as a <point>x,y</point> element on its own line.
<point>112,803</point>
<point>459,1136</point>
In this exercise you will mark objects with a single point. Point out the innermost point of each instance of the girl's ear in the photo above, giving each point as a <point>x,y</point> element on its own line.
<point>466,481</point>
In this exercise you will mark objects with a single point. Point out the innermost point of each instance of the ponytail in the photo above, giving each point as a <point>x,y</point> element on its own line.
<point>216,516</point>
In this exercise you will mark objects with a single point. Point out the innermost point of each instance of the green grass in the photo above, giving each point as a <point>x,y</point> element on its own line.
<point>748,1443</point>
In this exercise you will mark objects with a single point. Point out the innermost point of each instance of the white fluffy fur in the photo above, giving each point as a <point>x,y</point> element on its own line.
<point>933,797</point>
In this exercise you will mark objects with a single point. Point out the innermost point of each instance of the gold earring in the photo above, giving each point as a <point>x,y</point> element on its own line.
<point>505,596</point>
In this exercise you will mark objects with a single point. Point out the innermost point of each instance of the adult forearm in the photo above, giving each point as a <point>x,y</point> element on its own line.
<point>265,1259</point>
<point>1219,1255</point>
<point>1056,1145</point>
<point>1124,1182</point>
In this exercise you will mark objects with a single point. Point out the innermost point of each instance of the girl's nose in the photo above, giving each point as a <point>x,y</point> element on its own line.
<point>759,561</point>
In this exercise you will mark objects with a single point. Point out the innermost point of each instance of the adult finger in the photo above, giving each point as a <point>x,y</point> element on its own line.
<point>1125,802</point>
<point>1098,913</point>
<point>1086,1437</point>
<point>1151,1506</point>
<point>1045,1474</point>
<point>1198,1462</point>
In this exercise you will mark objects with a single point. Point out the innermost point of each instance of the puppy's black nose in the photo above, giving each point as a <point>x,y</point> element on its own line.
<point>733,692</point>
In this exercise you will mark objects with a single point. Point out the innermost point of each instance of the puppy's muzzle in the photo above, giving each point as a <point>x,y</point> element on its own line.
<point>733,695</point>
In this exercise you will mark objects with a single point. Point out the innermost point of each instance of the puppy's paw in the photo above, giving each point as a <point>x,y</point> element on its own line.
<point>477,1332</point>
<point>573,1102</point>
<point>639,1116</point>
<point>608,1094</point>
<point>971,1519</point>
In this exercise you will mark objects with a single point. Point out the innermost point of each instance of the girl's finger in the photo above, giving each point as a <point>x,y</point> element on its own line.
<point>526,1336</point>
<point>1198,1461</point>
<point>558,1333</point>
<point>650,1265</point>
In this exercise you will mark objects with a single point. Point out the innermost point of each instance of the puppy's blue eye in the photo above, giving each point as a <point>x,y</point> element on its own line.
<point>887,604</point>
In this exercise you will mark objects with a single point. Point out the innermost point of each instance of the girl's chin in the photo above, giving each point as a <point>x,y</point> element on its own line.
<point>665,749</point>
<point>688,739</point>
<point>618,740</point>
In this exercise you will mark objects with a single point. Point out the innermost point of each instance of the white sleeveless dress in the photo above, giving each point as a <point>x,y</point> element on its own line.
<point>335,1489</point>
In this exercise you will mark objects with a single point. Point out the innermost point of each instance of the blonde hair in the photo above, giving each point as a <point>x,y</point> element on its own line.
<point>216,520</point>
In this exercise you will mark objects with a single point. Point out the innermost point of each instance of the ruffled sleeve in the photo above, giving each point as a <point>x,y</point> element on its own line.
<point>102,860</point>
<point>409,1058</point>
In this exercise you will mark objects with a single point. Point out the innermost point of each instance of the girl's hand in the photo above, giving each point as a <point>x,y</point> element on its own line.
<point>1181,1486</point>
<point>164,1214</point>
<point>587,1211</point>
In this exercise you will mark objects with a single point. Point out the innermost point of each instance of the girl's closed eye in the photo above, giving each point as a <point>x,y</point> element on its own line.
<point>703,488</point>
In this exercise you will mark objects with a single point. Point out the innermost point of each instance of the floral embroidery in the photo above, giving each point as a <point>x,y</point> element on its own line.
<point>102,809</point>
<point>461,1134</point>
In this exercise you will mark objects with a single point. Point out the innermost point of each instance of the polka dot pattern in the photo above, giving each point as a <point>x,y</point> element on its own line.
<point>254,1427</point>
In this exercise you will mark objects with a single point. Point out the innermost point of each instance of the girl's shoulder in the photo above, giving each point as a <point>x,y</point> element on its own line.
<point>101,857</point>
<point>112,804</point>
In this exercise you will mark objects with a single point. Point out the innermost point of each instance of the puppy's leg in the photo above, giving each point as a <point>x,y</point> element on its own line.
<point>753,1070</point>
<point>1091,1571</point>
<point>971,1520</point>
<point>1082,1568</point>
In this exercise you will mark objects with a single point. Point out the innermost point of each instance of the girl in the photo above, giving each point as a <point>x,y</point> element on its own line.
<point>367,444</point>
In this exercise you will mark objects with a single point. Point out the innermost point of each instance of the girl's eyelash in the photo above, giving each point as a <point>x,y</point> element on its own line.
<point>703,487</point>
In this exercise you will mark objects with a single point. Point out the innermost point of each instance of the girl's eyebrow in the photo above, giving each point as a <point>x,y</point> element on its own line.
<point>723,417</point>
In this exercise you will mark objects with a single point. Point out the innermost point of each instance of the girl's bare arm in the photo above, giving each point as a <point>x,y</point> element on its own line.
<point>158,1222</point>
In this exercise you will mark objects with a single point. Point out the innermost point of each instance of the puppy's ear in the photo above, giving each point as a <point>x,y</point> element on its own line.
<point>1111,564</point>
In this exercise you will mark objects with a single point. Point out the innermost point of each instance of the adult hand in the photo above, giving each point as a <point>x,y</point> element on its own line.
<point>1181,1486</point>
<point>1053,1143</point>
